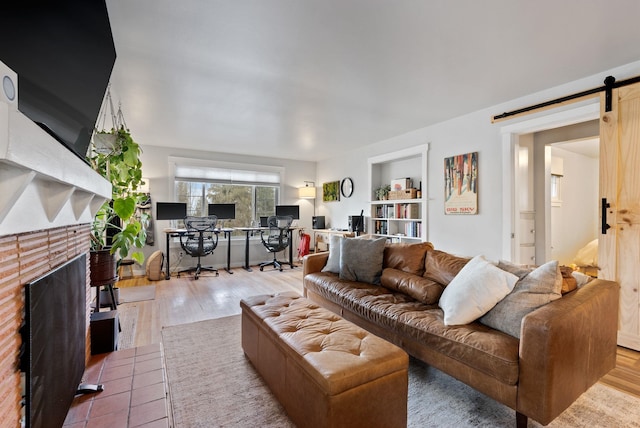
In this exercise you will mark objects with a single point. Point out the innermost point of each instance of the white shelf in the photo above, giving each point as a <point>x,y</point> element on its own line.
<point>400,220</point>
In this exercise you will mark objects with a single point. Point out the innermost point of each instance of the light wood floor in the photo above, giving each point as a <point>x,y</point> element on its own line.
<point>184,300</point>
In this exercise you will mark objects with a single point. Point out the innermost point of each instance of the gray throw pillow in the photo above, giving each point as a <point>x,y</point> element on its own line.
<point>361,259</point>
<point>333,262</point>
<point>535,289</point>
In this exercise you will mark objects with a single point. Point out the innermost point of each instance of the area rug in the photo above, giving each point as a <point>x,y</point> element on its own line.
<point>137,293</point>
<point>128,317</point>
<point>212,384</point>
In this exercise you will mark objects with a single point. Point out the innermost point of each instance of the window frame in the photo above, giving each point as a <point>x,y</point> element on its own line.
<point>176,162</point>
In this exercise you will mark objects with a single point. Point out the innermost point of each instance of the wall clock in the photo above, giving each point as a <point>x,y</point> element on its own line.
<point>346,187</point>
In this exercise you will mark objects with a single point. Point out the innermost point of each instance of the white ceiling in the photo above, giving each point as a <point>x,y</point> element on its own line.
<point>306,79</point>
<point>589,147</point>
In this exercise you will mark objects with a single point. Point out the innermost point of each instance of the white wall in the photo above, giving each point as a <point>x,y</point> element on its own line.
<point>155,161</point>
<point>469,235</point>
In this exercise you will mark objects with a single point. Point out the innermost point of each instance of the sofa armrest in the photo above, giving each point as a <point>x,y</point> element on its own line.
<point>566,346</point>
<point>314,262</point>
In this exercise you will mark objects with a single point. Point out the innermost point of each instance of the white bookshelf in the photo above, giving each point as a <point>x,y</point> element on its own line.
<point>400,220</point>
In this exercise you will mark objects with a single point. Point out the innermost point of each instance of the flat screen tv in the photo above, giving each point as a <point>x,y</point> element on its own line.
<point>63,53</point>
<point>292,210</point>
<point>171,210</point>
<point>223,211</point>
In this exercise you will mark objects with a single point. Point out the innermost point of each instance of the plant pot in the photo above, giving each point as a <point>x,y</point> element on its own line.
<point>103,266</point>
<point>104,142</point>
<point>105,297</point>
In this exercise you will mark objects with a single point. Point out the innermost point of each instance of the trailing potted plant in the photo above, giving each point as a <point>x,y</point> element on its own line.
<point>116,229</point>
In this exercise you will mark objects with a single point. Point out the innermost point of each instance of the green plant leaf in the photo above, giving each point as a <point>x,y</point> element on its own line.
<point>138,256</point>
<point>124,207</point>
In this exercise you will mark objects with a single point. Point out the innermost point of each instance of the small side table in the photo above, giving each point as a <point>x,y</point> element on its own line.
<point>109,284</point>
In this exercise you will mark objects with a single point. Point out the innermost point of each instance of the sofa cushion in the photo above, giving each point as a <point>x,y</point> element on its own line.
<point>474,291</point>
<point>485,349</point>
<point>476,345</point>
<point>360,297</point>
<point>441,267</point>
<point>537,288</point>
<point>422,289</point>
<point>361,259</point>
<point>333,262</point>
<point>406,257</point>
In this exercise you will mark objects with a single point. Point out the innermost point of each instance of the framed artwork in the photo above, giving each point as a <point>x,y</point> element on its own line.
<point>461,184</point>
<point>331,191</point>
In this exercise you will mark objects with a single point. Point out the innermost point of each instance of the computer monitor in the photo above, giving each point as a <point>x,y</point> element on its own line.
<point>264,221</point>
<point>223,211</point>
<point>356,223</point>
<point>171,210</point>
<point>292,210</point>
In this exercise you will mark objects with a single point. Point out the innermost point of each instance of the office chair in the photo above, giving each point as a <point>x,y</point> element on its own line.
<point>200,240</point>
<point>277,238</point>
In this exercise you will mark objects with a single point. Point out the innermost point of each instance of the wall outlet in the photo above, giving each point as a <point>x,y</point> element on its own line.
<point>181,253</point>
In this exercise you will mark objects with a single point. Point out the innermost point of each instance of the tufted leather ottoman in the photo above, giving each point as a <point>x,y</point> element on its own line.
<point>324,370</point>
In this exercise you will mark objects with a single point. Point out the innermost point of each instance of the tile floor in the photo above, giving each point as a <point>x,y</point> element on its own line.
<point>134,395</point>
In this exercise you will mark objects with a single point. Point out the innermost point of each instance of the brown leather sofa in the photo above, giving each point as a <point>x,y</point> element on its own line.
<point>564,348</point>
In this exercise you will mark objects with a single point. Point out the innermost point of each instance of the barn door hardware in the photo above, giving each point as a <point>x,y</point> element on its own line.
<point>609,81</point>
<point>605,205</point>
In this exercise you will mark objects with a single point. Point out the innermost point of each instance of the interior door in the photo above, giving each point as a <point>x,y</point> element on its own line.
<point>619,244</point>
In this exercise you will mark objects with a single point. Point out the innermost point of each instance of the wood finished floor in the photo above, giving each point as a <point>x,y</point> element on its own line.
<point>185,300</point>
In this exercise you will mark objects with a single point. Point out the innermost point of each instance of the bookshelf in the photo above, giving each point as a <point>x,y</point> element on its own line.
<point>400,220</point>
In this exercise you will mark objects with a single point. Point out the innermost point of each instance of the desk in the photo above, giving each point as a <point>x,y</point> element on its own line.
<point>250,231</point>
<point>173,233</point>
<point>227,233</point>
<point>321,235</point>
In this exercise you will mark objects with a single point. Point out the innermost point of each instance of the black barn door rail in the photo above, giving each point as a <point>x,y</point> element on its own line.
<point>609,85</point>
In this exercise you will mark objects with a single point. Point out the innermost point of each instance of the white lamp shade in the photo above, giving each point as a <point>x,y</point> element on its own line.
<point>307,192</point>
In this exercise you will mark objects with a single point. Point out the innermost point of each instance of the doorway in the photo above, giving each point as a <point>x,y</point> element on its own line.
<point>527,150</point>
<point>573,201</point>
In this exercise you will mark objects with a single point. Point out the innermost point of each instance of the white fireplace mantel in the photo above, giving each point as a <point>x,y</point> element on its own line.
<point>42,183</point>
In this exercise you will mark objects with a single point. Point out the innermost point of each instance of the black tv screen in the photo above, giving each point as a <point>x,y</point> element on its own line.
<point>292,210</point>
<point>223,211</point>
<point>63,53</point>
<point>171,210</point>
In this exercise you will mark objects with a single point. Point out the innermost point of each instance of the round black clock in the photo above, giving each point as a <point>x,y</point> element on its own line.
<point>346,187</point>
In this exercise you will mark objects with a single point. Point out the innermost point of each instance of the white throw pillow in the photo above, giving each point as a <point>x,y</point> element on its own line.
<point>477,288</point>
<point>333,262</point>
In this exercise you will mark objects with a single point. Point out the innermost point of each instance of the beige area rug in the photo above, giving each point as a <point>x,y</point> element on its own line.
<point>212,384</point>
<point>128,317</point>
<point>137,293</point>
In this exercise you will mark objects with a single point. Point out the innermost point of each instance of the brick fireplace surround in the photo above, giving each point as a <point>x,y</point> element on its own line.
<point>48,197</point>
<point>25,257</point>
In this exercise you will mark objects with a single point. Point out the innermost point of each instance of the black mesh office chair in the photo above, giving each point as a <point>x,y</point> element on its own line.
<point>276,239</point>
<point>200,240</point>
